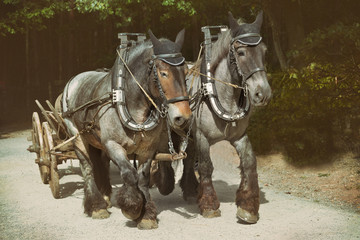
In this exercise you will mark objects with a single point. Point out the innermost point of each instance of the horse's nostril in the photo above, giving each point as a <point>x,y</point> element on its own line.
<point>259,96</point>
<point>179,121</point>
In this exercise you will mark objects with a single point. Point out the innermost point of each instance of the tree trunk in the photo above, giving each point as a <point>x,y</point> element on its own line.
<point>195,37</point>
<point>35,40</point>
<point>60,58</point>
<point>275,29</point>
<point>294,23</point>
<point>27,70</point>
<point>70,46</point>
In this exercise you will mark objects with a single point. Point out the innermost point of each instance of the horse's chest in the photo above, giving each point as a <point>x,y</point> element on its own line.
<point>144,143</point>
<point>234,130</point>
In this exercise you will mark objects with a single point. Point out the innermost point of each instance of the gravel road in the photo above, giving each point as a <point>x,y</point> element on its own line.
<point>28,210</point>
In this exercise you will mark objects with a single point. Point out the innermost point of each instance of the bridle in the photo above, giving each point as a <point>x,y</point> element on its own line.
<point>166,102</point>
<point>233,60</point>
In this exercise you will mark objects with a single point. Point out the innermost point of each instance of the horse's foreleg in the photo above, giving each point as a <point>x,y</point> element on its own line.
<point>248,193</point>
<point>207,199</point>
<point>94,203</point>
<point>130,199</point>
<point>148,218</point>
<point>188,183</point>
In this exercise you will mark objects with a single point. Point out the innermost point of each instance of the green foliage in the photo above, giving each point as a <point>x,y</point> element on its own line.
<point>311,106</point>
<point>19,15</point>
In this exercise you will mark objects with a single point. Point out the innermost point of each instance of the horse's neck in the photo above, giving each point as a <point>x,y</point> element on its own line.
<point>136,102</point>
<point>227,95</point>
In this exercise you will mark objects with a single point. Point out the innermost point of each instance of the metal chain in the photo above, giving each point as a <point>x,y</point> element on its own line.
<point>183,145</point>
<point>170,143</point>
<point>185,140</point>
<point>164,107</point>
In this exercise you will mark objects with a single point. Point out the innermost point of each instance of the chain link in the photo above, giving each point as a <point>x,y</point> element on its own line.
<point>184,142</point>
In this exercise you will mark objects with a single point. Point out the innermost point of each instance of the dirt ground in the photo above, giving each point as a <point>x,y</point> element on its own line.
<point>320,202</point>
<point>336,183</point>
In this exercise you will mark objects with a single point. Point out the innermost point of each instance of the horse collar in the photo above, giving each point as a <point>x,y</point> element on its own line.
<point>209,88</point>
<point>119,101</point>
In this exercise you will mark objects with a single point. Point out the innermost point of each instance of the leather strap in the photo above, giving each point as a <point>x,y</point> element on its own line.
<point>177,99</point>
<point>169,55</point>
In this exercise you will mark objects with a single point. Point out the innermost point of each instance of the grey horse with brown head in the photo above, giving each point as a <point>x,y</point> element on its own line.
<point>133,127</point>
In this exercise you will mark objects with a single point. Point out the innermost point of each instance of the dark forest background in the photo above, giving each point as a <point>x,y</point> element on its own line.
<point>313,60</point>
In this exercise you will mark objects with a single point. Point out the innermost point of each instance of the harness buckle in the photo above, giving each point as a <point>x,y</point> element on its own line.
<point>208,89</point>
<point>116,95</point>
<point>164,111</point>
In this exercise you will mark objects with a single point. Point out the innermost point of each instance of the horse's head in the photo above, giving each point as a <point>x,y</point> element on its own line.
<point>249,54</point>
<point>169,71</point>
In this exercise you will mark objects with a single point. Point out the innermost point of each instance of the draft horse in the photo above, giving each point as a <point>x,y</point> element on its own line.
<point>231,83</point>
<point>128,125</point>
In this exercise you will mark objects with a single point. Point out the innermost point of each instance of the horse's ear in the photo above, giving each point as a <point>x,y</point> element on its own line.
<point>259,19</point>
<point>233,23</point>
<point>180,38</point>
<point>153,39</point>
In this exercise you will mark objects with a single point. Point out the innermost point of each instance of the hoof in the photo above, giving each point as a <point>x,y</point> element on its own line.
<point>147,224</point>
<point>100,214</point>
<point>246,216</point>
<point>131,215</point>
<point>211,213</point>
<point>108,202</point>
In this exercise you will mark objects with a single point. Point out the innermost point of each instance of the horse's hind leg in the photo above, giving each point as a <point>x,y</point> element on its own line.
<point>248,194</point>
<point>207,199</point>
<point>94,203</point>
<point>101,163</point>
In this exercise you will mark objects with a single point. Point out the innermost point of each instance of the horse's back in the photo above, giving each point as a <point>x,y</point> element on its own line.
<point>82,87</point>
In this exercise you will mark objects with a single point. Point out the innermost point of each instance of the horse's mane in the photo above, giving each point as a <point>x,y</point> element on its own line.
<point>220,49</point>
<point>141,51</point>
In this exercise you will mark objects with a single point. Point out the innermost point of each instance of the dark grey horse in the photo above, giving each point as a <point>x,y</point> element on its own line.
<point>223,113</point>
<point>133,127</point>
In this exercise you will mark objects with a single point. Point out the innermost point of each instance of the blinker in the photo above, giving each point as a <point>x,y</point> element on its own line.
<point>249,39</point>
<point>174,59</point>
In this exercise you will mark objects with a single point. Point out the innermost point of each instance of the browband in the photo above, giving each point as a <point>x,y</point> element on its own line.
<point>178,99</point>
<point>169,55</point>
<point>238,38</point>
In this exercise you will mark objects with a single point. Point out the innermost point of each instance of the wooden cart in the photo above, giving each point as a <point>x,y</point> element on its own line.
<point>52,145</point>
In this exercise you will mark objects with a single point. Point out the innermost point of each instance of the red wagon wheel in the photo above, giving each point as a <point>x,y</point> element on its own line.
<point>54,174</point>
<point>38,146</point>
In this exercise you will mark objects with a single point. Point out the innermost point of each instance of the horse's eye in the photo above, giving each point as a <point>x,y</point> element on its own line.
<point>163,74</point>
<point>240,52</point>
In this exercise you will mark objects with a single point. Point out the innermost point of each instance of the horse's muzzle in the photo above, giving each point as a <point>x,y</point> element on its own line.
<point>179,114</point>
<point>262,96</point>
